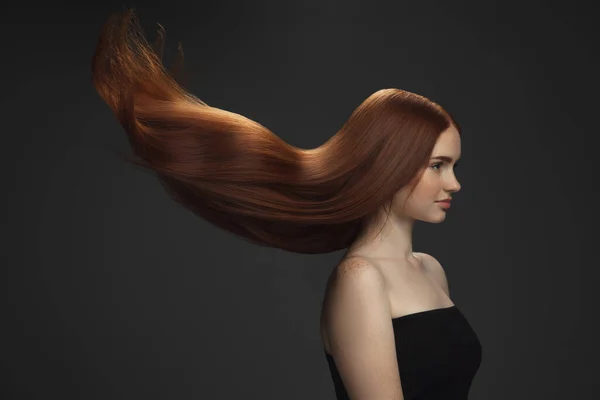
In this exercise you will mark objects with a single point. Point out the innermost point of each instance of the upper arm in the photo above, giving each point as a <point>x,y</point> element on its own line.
<point>437,271</point>
<point>361,334</point>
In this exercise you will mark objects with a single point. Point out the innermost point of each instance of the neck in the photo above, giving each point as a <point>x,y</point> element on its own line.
<point>385,238</point>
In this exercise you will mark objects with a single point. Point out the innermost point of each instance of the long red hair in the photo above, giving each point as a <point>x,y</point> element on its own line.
<point>238,175</point>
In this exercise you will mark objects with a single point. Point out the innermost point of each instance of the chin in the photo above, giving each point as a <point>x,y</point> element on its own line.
<point>435,220</point>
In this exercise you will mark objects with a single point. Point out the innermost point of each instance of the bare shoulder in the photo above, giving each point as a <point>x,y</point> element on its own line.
<point>354,273</point>
<point>360,331</point>
<point>435,269</point>
<point>358,270</point>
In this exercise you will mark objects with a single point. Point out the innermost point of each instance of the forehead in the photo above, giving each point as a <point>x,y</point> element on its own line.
<point>448,144</point>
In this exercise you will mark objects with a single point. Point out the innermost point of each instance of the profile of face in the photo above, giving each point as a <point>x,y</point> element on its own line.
<point>438,182</point>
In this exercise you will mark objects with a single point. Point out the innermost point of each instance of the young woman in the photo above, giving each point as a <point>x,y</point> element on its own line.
<point>388,325</point>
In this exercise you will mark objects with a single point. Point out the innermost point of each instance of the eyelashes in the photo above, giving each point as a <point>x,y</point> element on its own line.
<point>439,164</point>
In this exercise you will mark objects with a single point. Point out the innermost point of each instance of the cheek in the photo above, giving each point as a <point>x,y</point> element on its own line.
<point>425,189</point>
<point>429,185</point>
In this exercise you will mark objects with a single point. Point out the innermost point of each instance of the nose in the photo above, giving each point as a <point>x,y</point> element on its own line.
<point>453,185</point>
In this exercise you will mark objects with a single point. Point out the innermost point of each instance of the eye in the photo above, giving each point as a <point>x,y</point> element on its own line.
<point>438,165</point>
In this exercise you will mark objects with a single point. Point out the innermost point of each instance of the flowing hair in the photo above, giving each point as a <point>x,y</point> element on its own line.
<point>241,177</point>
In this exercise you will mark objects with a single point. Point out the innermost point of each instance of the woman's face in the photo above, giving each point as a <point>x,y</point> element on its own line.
<point>438,182</point>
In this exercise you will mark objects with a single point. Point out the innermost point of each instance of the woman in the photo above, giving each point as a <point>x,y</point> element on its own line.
<point>389,328</point>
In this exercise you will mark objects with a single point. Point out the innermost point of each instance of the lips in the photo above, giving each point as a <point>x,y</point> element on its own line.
<point>444,201</point>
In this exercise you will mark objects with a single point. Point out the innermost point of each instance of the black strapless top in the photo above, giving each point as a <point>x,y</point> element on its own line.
<point>438,355</point>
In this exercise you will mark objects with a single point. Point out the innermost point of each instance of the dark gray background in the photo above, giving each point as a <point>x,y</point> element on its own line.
<point>115,292</point>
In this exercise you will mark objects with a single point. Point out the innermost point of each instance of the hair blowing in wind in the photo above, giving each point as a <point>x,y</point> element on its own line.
<point>241,177</point>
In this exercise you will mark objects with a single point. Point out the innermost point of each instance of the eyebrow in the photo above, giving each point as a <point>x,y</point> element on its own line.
<point>443,158</point>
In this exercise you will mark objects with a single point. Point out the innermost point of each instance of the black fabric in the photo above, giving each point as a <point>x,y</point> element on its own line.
<point>438,355</point>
